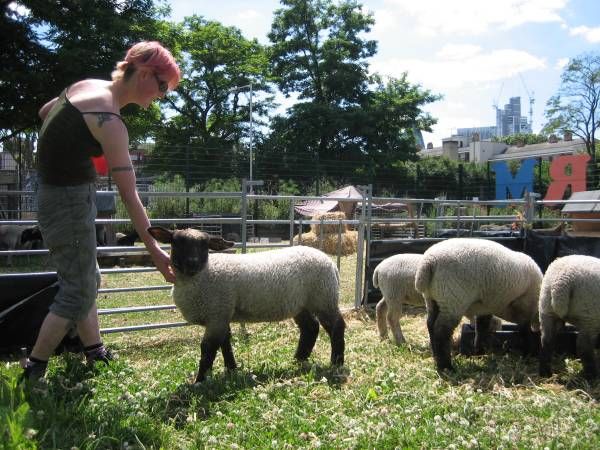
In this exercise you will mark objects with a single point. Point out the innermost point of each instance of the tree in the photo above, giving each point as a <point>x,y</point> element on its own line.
<point>575,107</point>
<point>319,53</point>
<point>49,45</point>
<point>343,115</point>
<point>521,138</point>
<point>211,106</point>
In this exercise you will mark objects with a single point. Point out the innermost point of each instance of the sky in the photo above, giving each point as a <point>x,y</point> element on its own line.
<point>476,53</point>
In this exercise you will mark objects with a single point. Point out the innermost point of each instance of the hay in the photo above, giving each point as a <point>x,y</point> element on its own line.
<point>329,228</point>
<point>330,243</point>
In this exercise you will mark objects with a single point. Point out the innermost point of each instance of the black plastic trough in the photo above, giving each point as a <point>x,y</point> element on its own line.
<point>508,339</point>
<point>24,302</point>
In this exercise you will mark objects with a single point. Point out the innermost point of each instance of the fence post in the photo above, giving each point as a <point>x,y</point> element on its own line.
<point>244,213</point>
<point>460,182</point>
<point>358,288</point>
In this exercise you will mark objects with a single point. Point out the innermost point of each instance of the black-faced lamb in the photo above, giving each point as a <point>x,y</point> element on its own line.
<point>395,278</point>
<point>296,282</point>
<point>570,292</point>
<point>476,277</point>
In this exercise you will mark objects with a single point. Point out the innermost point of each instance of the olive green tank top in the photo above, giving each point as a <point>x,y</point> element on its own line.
<point>66,145</point>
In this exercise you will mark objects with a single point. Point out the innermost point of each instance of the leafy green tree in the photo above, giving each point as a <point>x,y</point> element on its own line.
<point>521,138</point>
<point>49,45</point>
<point>211,120</point>
<point>575,107</point>
<point>346,124</point>
<point>319,54</point>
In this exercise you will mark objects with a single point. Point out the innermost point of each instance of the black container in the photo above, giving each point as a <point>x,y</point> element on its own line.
<point>24,303</point>
<point>509,339</point>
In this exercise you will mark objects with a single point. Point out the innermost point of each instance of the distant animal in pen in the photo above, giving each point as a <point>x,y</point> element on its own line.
<point>477,277</point>
<point>571,293</point>
<point>214,290</point>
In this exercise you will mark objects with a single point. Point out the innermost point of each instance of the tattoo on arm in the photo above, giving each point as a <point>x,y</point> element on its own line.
<point>103,117</point>
<point>121,169</point>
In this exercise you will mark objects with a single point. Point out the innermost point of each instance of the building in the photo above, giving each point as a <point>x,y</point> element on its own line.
<point>486,151</point>
<point>510,121</point>
<point>485,133</point>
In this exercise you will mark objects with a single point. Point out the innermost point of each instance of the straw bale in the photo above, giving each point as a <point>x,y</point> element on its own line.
<point>349,242</point>
<point>329,228</point>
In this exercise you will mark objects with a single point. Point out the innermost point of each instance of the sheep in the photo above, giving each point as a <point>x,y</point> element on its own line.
<point>570,292</point>
<point>18,237</point>
<point>464,277</point>
<point>296,282</point>
<point>395,277</point>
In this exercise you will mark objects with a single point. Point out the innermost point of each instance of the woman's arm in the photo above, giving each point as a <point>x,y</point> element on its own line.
<point>110,131</point>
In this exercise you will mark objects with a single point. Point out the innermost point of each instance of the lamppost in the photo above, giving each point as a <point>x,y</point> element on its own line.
<point>250,145</point>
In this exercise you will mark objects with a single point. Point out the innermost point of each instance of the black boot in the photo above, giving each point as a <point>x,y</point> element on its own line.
<point>97,352</point>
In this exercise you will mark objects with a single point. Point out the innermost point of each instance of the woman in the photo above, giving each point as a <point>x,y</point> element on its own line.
<point>81,123</point>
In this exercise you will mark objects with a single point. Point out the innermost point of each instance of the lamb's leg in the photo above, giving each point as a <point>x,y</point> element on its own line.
<point>483,333</point>
<point>586,351</point>
<point>440,328</point>
<point>380,315</point>
<point>550,326</point>
<point>433,311</point>
<point>335,326</point>
<point>211,342</point>
<point>309,330</point>
<point>227,352</point>
<point>393,320</point>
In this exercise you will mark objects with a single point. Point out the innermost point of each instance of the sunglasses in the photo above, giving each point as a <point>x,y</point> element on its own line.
<point>163,86</point>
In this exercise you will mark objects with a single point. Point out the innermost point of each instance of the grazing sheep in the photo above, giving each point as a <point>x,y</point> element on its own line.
<point>465,277</point>
<point>395,277</point>
<point>18,237</point>
<point>296,282</point>
<point>570,292</point>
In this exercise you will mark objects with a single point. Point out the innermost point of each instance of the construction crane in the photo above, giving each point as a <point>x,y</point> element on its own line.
<point>531,98</point>
<point>497,99</point>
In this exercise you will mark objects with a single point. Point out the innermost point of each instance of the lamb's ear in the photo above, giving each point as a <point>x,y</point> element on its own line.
<point>218,244</point>
<point>161,234</point>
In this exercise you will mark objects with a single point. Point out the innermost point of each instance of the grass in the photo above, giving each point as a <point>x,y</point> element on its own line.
<point>385,396</point>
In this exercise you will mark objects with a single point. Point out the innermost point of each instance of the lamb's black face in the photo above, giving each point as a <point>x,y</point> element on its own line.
<point>189,251</point>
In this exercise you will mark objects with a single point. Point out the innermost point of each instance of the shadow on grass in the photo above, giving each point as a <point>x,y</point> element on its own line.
<point>507,370</point>
<point>198,398</point>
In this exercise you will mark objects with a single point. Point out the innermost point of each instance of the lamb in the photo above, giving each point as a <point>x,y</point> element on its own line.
<point>570,292</point>
<point>463,276</point>
<point>296,282</point>
<point>395,277</point>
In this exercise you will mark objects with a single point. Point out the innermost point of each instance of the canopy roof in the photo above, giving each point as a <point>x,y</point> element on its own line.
<point>314,207</point>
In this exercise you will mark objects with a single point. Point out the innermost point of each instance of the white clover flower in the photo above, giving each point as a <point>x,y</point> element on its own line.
<point>437,419</point>
<point>30,433</point>
<point>464,422</point>
<point>262,396</point>
<point>212,439</point>
<point>230,425</point>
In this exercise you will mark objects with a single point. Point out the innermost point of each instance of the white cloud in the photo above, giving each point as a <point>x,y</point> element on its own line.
<point>590,34</point>
<point>459,66</point>
<point>561,63</point>
<point>467,17</point>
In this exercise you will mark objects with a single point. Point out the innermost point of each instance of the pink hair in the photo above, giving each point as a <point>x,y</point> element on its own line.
<point>152,55</point>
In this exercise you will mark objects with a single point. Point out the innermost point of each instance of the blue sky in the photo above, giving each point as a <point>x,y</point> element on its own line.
<point>473,52</point>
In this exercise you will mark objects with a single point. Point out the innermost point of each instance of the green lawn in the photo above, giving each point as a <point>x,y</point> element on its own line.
<point>385,396</point>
